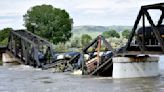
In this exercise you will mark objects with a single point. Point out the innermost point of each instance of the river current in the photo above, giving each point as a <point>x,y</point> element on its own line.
<point>21,78</point>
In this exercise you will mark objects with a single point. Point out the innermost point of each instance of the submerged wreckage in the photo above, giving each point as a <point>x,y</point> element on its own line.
<point>32,50</point>
<point>35,51</point>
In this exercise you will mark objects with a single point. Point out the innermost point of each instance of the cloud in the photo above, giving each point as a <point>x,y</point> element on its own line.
<point>83,12</point>
<point>111,5</point>
<point>95,11</point>
<point>93,4</point>
<point>5,21</point>
<point>12,12</point>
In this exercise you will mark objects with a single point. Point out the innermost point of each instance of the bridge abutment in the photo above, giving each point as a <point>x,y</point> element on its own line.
<point>129,67</point>
<point>8,59</point>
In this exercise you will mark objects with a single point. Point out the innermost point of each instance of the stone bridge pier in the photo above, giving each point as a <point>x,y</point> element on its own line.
<point>7,58</point>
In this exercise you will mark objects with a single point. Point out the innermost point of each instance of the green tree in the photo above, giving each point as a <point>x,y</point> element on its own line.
<point>4,35</point>
<point>85,39</point>
<point>126,33</point>
<point>48,22</point>
<point>111,33</point>
<point>75,42</point>
<point>106,34</point>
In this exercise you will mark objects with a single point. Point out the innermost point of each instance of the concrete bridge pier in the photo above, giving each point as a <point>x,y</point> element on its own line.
<point>141,66</point>
<point>8,59</point>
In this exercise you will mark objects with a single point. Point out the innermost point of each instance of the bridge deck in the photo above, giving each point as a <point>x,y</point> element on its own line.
<point>135,50</point>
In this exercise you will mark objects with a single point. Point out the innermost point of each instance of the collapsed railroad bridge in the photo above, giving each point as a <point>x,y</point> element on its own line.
<point>30,49</point>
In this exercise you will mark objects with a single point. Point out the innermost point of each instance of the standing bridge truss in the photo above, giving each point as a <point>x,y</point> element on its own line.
<point>148,39</point>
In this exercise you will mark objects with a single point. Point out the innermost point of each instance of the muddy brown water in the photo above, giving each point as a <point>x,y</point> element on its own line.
<point>20,78</point>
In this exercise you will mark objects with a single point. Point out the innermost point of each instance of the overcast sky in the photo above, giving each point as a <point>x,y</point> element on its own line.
<point>83,12</point>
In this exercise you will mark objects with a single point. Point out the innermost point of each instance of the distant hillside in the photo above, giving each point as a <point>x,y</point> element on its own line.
<point>90,28</point>
<point>96,30</point>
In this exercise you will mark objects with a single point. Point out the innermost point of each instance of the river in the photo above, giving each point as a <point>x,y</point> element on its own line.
<point>21,78</point>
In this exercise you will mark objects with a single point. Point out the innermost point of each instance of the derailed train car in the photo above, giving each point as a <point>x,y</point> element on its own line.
<point>98,62</point>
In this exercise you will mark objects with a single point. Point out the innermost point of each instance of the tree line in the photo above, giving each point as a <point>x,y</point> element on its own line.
<point>114,33</point>
<point>85,38</point>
